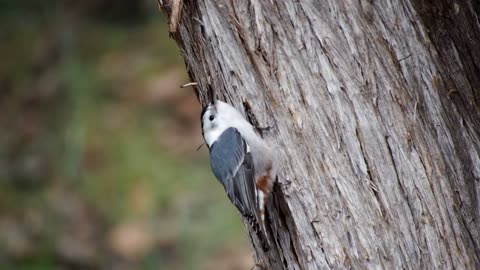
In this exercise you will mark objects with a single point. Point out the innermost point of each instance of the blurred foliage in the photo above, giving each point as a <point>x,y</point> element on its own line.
<point>98,168</point>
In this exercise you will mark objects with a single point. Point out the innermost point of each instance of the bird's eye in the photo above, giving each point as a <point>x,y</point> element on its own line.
<point>211,117</point>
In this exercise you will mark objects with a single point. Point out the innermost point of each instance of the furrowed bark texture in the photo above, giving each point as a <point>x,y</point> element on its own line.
<point>377,118</point>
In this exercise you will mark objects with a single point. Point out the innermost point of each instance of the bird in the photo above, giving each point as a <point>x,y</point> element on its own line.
<point>242,162</point>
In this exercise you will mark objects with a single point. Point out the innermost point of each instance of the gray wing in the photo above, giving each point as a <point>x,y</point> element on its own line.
<point>233,167</point>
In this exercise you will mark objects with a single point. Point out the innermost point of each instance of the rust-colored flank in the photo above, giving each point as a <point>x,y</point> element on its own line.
<point>263,182</point>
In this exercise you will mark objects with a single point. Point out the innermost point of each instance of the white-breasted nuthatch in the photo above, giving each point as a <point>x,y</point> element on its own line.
<point>242,161</point>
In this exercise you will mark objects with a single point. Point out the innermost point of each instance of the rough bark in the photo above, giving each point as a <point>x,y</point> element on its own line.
<point>377,119</point>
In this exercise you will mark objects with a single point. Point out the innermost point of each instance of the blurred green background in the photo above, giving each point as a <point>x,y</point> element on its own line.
<point>98,168</point>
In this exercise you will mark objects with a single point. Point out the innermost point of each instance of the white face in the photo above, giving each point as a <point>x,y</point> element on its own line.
<point>217,118</point>
<point>212,125</point>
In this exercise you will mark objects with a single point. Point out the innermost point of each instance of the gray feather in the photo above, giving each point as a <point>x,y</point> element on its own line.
<point>233,167</point>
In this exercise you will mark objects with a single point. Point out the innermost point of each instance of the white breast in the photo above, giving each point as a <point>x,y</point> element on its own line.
<point>212,135</point>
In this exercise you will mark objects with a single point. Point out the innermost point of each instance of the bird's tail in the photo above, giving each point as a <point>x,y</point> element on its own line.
<point>264,187</point>
<point>262,202</point>
<point>260,231</point>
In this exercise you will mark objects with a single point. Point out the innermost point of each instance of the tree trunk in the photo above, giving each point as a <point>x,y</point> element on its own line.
<point>376,113</point>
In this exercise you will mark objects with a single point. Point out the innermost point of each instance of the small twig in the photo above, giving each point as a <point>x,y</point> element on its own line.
<point>198,20</point>
<point>188,84</point>
<point>200,147</point>
<point>406,57</point>
<point>451,92</point>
